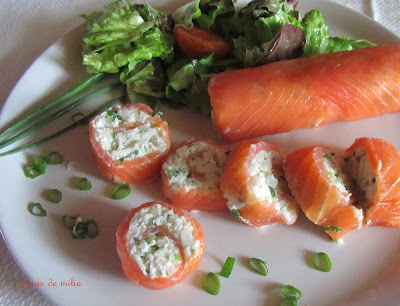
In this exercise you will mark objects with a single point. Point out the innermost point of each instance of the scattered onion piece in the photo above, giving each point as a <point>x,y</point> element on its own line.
<point>37,209</point>
<point>259,266</point>
<point>212,284</point>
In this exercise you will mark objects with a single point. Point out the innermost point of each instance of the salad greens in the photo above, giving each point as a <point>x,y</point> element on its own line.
<point>138,41</point>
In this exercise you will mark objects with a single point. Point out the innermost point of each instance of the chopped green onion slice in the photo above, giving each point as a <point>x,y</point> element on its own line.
<point>235,213</point>
<point>272,191</point>
<point>83,184</point>
<point>79,231</point>
<point>92,228</point>
<point>212,284</point>
<point>332,229</point>
<point>41,161</point>
<point>228,266</point>
<point>55,158</point>
<point>68,221</point>
<point>54,196</point>
<point>322,262</point>
<point>151,240</point>
<point>291,293</point>
<point>178,257</point>
<point>120,192</point>
<point>36,209</point>
<point>288,302</point>
<point>76,117</point>
<point>259,266</point>
<point>34,171</point>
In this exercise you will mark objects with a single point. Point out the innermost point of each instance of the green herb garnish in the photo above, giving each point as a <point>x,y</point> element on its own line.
<point>258,265</point>
<point>322,262</point>
<point>54,196</point>
<point>228,267</point>
<point>212,284</point>
<point>36,209</point>
<point>83,184</point>
<point>120,192</point>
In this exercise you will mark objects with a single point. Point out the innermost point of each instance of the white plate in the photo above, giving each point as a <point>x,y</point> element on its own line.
<point>366,268</point>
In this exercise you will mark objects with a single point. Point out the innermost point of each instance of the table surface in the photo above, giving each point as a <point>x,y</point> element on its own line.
<point>28,27</point>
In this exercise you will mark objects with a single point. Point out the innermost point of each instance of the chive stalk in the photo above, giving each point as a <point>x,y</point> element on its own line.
<point>82,121</point>
<point>37,125</point>
<point>69,94</point>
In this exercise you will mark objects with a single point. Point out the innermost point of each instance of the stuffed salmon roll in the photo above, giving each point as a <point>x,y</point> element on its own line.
<point>191,176</point>
<point>254,184</point>
<point>374,166</point>
<point>323,191</point>
<point>159,245</point>
<point>129,144</point>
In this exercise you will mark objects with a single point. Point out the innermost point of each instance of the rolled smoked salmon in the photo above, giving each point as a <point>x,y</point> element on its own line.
<point>129,144</point>
<point>254,184</point>
<point>374,165</point>
<point>323,191</point>
<point>191,175</point>
<point>306,92</point>
<point>363,191</point>
<point>159,245</point>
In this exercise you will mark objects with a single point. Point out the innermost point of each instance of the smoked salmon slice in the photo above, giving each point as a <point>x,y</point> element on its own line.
<point>306,92</point>
<point>159,245</point>
<point>254,184</point>
<point>374,164</point>
<point>191,175</point>
<point>323,191</point>
<point>129,144</point>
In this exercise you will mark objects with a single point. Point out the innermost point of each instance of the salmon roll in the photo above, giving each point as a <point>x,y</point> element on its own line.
<point>323,191</point>
<point>129,144</point>
<point>374,166</point>
<point>159,245</point>
<point>191,175</point>
<point>254,184</point>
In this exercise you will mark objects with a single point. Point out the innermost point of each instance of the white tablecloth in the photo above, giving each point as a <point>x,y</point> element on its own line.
<point>28,27</point>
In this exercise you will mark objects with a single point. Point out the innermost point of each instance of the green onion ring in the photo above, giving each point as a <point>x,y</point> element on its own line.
<point>259,266</point>
<point>322,262</point>
<point>288,302</point>
<point>212,284</point>
<point>92,228</point>
<point>120,192</point>
<point>291,293</point>
<point>228,266</point>
<point>68,221</point>
<point>235,213</point>
<point>80,230</point>
<point>37,209</point>
<point>55,158</point>
<point>54,196</point>
<point>77,115</point>
<point>34,171</point>
<point>41,161</point>
<point>83,184</point>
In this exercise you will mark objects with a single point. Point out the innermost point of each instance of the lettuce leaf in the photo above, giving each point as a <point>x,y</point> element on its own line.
<point>118,36</point>
<point>204,13</point>
<point>319,41</point>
